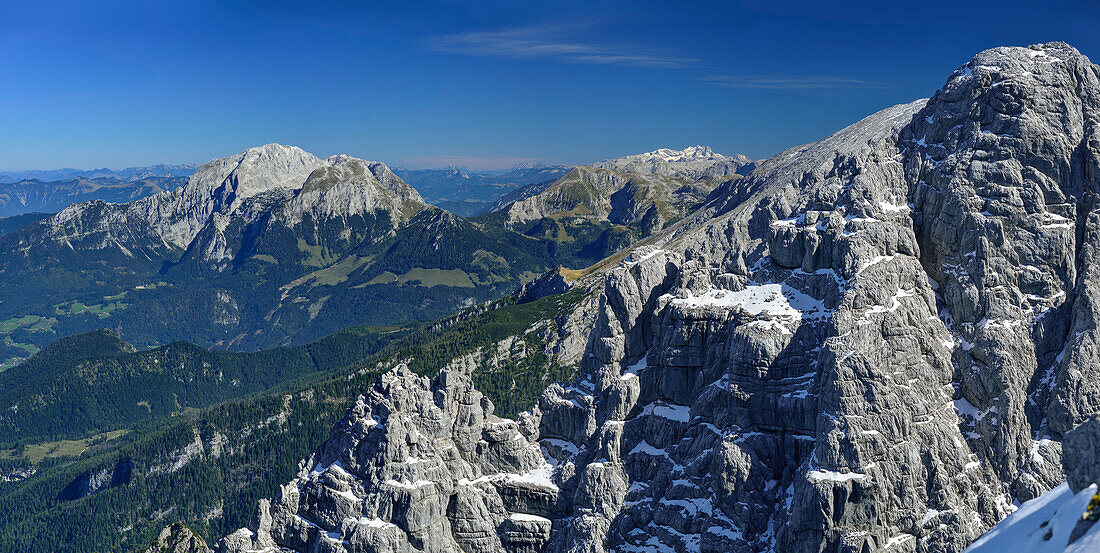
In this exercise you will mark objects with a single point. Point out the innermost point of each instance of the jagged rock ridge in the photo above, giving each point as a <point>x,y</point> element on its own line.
<point>413,465</point>
<point>872,343</point>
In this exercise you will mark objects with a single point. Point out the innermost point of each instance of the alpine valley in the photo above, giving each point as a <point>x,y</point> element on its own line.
<point>883,341</point>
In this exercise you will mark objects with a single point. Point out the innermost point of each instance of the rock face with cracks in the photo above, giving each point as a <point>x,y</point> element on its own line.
<point>415,465</point>
<point>875,342</point>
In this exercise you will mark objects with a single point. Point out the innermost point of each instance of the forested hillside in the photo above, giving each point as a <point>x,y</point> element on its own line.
<point>208,466</point>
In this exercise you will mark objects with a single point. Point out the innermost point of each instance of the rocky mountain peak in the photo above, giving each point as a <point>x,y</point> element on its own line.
<point>256,170</point>
<point>348,186</point>
<point>345,168</point>
<point>691,152</point>
<point>458,172</point>
<point>266,183</point>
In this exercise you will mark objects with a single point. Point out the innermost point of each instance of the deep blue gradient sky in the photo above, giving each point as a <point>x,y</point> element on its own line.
<point>117,83</point>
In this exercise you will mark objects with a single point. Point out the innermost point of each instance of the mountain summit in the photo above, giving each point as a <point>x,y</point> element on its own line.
<point>234,188</point>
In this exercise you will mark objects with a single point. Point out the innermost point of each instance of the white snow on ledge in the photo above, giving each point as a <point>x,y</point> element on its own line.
<point>541,476</point>
<point>679,413</point>
<point>772,299</point>
<point>525,517</point>
<point>633,370</point>
<point>408,485</point>
<point>640,255</point>
<point>833,476</point>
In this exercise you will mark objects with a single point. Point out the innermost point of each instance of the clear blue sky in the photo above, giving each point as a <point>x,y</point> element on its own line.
<point>115,84</point>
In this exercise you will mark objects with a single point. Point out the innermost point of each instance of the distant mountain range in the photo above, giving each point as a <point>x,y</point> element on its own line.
<point>127,175</point>
<point>30,196</point>
<point>467,193</point>
<point>617,202</point>
<point>461,191</point>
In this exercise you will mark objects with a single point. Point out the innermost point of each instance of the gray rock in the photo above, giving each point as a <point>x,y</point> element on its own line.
<point>550,283</point>
<point>1081,454</point>
<point>178,538</point>
<point>414,465</point>
<point>95,481</point>
<point>693,163</point>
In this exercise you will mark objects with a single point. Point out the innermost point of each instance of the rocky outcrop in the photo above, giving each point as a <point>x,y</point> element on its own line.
<point>875,342</point>
<point>550,283</point>
<point>1081,455</point>
<point>414,465</point>
<point>1081,462</point>
<point>178,538</point>
<point>92,482</point>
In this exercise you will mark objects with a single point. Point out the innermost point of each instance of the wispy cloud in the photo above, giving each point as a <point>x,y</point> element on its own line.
<point>469,162</point>
<point>558,43</point>
<point>789,82</point>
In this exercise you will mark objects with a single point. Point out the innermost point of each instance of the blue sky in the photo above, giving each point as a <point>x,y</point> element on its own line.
<point>487,84</point>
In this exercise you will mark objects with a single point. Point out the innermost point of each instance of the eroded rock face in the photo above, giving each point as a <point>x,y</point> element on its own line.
<point>858,347</point>
<point>872,343</point>
<point>415,465</point>
<point>96,481</point>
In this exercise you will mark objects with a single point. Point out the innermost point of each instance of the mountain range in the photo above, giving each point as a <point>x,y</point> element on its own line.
<point>882,341</point>
<point>35,196</point>
<point>694,163</point>
<point>468,193</point>
<point>130,174</point>
<point>275,246</point>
